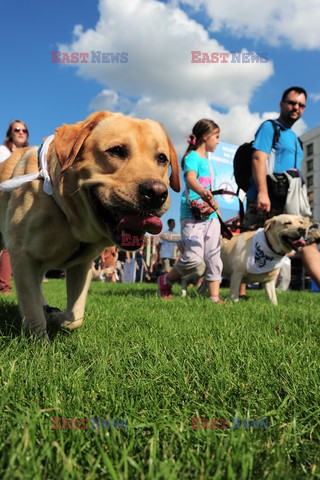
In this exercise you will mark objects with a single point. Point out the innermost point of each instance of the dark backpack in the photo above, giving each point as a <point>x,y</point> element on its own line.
<point>242,162</point>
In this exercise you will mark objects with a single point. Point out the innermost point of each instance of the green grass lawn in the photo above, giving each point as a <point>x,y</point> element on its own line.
<point>159,364</point>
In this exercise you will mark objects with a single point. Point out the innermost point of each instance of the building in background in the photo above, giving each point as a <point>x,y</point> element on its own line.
<point>311,168</point>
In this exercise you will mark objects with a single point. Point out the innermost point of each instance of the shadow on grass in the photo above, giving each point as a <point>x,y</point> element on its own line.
<point>10,319</point>
<point>11,322</point>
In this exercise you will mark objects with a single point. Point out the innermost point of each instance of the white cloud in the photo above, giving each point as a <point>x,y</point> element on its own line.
<point>159,39</point>
<point>290,22</point>
<point>110,100</point>
<point>315,97</point>
<point>159,81</point>
<point>237,126</point>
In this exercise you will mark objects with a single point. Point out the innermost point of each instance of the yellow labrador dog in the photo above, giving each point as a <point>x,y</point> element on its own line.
<point>257,256</point>
<point>102,181</point>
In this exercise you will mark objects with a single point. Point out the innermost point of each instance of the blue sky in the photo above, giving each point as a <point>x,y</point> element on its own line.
<point>158,81</point>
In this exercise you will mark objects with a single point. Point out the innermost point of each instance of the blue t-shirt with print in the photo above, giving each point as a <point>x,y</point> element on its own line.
<point>200,165</point>
<point>288,152</point>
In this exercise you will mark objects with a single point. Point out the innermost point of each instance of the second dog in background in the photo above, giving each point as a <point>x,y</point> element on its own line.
<point>257,256</point>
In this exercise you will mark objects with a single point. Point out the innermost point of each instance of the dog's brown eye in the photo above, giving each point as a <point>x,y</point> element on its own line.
<point>161,158</point>
<point>287,223</point>
<point>118,151</point>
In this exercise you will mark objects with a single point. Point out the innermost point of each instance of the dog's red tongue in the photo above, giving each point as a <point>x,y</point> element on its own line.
<point>298,244</point>
<point>135,223</point>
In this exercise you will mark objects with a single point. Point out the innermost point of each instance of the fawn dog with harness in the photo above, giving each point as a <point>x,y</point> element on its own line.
<point>92,183</point>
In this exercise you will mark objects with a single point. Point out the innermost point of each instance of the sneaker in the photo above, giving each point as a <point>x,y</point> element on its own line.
<point>164,290</point>
<point>244,297</point>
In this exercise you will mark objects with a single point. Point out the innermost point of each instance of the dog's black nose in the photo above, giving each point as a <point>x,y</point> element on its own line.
<point>153,194</point>
<point>302,231</point>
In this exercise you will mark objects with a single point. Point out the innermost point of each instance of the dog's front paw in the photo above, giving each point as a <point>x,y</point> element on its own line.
<point>56,319</point>
<point>72,324</point>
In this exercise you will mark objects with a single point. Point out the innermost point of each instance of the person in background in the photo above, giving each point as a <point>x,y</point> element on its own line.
<point>167,247</point>
<point>97,272</point>
<point>122,259</point>
<point>141,265</point>
<point>16,137</point>
<point>287,157</point>
<point>108,263</point>
<point>155,268</point>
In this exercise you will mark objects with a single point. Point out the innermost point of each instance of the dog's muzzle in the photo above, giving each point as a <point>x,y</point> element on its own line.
<point>152,194</point>
<point>126,225</point>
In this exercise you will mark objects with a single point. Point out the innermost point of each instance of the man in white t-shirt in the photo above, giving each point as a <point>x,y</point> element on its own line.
<point>168,247</point>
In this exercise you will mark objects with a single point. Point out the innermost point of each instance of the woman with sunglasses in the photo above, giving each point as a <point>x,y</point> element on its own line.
<point>16,137</point>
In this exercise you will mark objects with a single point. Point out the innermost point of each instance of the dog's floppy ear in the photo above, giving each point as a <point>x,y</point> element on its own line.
<point>268,223</point>
<point>68,139</point>
<point>175,183</point>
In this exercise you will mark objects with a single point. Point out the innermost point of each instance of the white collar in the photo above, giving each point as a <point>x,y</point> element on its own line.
<point>42,158</point>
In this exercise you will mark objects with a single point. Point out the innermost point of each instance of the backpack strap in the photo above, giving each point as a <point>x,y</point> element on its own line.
<point>276,136</point>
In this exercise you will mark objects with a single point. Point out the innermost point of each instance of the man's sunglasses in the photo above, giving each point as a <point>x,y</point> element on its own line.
<point>292,103</point>
<point>18,129</point>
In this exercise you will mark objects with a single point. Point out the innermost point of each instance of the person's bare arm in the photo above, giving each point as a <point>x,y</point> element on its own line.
<point>171,237</point>
<point>259,172</point>
<point>206,195</point>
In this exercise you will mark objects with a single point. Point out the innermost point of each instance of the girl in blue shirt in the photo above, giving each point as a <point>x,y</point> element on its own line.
<point>200,238</point>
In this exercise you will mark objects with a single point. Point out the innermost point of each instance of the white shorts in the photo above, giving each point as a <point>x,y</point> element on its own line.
<point>201,241</point>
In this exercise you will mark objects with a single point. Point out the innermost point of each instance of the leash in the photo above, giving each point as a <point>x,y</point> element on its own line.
<point>225,232</point>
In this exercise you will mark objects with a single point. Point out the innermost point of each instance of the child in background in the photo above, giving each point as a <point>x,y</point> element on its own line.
<point>200,237</point>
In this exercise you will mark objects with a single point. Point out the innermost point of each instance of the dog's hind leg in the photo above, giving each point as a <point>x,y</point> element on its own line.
<point>270,288</point>
<point>202,289</point>
<point>235,283</point>
<point>78,280</point>
<point>184,286</point>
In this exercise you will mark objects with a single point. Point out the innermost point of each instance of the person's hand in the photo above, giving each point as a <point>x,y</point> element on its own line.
<point>209,198</point>
<point>214,204</point>
<point>206,195</point>
<point>263,202</point>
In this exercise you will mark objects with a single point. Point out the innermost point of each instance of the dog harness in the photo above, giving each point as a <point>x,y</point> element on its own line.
<point>261,258</point>
<point>16,182</point>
